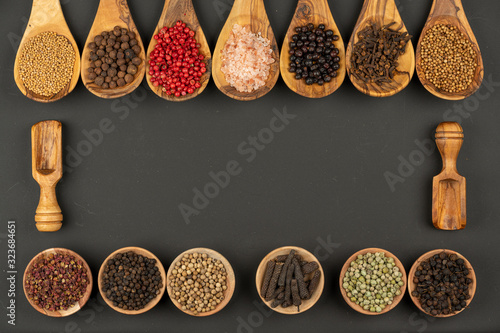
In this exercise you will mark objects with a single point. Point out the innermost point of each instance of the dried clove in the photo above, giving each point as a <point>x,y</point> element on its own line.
<point>375,55</point>
<point>267,277</point>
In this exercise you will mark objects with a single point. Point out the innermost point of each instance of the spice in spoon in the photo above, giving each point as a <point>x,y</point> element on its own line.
<point>442,284</point>
<point>372,281</point>
<point>374,57</point>
<point>56,282</point>
<point>447,58</point>
<point>46,63</point>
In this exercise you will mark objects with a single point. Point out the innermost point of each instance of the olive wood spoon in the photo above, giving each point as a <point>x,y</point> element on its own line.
<point>315,12</point>
<point>448,188</point>
<point>250,13</point>
<point>47,15</point>
<point>382,12</point>
<point>47,170</point>
<point>183,10</point>
<point>451,12</point>
<point>111,13</point>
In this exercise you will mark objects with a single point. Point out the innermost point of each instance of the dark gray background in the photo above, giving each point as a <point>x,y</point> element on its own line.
<point>320,179</point>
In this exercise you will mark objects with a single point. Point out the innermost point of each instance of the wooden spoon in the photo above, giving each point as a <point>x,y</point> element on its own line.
<point>412,285</point>
<point>397,298</point>
<point>152,303</point>
<point>307,256</point>
<point>250,13</point>
<point>315,12</point>
<point>47,15</point>
<point>382,12</point>
<point>451,12</point>
<point>81,302</point>
<point>112,13</point>
<point>230,280</point>
<point>175,10</point>
<point>47,170</point>
<point>448,188</point>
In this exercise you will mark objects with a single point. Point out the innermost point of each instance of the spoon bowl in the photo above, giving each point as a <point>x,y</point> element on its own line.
<point>111,13</point>
<point>144,253</point>
<point>230,281</point>
<point>315,12</point>
<point>251,13</point>
<point>450,12</point>
<point>382,12</point>
<point>81,302</point>
<point>425,256</point>
<point>183,10</point>
<point>47,15</point>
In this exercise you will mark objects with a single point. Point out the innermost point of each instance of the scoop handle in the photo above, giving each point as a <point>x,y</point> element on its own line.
<point>48,215</point>
<point>449,139</point>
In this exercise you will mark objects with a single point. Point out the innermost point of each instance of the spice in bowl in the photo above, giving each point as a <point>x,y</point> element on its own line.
<point>131,281</point>
<point>46,63</point>
<point>114,58</point>
<point>442,284</point>
<point>373,281</point>
<point>447,58</point>
<point>56,282</point>
<point>313,55</point>
<point>176,63</point>
<point>289,280</point>
<point>198,283</point>
<point>374,57</point>
<point>246,59</point>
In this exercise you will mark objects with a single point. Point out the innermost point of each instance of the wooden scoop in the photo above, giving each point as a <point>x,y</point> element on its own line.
<point>382,12</point>
<point>250,13</point>
<point>112,13</point>
<point>451,12</point>
<point>46,154</point>
<point>47,15</point>
<point>315,12</point>
<point>175,10</point>
<point>448,188</point>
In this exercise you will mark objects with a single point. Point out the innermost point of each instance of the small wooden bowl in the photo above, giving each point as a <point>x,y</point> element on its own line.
<point>396,299</point>
<point>425,256</point>
<point>81,302</point>
<point>144,253</point>
<point>230,280</point>
<point>306,255</point>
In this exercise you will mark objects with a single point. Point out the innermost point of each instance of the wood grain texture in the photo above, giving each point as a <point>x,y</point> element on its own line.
<point>230,280</point>
<point>251,13</point>
<point>316,12</point>
<point>47,15</point>
<point>62,313</point>
<point>175,10</point>
<point>306,255</point>
<point>450,12</point>
<point>47,170</point>
<point>425,256</point>
<point>396,299</point>
<point>144,253</point>
<point>382,12</point>
<point>111,13</point>
<point>448,188</point>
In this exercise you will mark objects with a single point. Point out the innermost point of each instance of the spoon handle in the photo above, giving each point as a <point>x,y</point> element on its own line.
<point>446,7</point>
<point>48,216</point>
<point>45,11</point>
<point>449,139</point>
